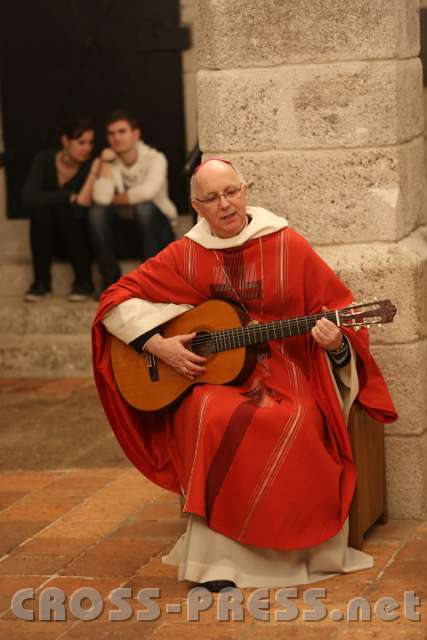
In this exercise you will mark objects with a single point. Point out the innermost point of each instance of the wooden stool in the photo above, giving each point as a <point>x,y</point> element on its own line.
<point>369,504</point>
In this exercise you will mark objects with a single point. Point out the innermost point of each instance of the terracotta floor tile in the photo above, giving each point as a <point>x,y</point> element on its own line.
<point>27,480</point>
<point>111,631</point>
<point>75,529</point>
<point>81,483</point>
<point>385,631</point>
<point>115,557</point>
<point>50,546</point>
<point>33,565</point>
<point>103,509</point>
<point>63,386</point>
<point>162,511</point>
<point>28,512</point>
<point>169,586</point>
<point>22,630</point>
<point>414,548</point>
<point>19,385</point>
<point>396,529</point>
<point>11,584</point>
<point>156,568</point>
<point>8,498</point>
<point>13,533</point>
<point>146,528</point>
<point>193,630</point>
<point>308,631</point>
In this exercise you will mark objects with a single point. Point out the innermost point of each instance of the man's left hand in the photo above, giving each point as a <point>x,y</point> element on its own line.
<point>121,200</point>
<point>327,334</point>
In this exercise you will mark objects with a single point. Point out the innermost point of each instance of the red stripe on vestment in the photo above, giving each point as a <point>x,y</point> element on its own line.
<point>236,429</point>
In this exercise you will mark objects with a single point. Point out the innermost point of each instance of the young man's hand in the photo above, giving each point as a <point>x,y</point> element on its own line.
<point>107,155</point>
<point>121,200</point>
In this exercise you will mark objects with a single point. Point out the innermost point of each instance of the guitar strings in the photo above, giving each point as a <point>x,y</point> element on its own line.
<point>234,332</point>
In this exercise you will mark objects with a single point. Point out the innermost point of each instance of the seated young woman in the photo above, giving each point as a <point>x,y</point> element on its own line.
<point>58,193</point>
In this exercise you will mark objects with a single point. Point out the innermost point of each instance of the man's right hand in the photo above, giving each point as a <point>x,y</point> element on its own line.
<point>108,155</point>
<point>172,351</point>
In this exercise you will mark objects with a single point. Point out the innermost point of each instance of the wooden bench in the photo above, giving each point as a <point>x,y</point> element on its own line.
<point>369,504</point>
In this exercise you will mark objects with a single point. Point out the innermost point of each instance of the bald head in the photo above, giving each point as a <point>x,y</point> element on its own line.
<point>209,170</point>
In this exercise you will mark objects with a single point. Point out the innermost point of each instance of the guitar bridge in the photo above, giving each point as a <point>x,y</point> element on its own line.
<point>153,369</point>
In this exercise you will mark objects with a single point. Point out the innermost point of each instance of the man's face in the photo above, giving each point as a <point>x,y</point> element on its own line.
<point>226,217</point>
<point>121,137</point>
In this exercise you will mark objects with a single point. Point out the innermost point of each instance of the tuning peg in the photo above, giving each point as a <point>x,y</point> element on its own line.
<point>369,326</point>
<point>380,326</point>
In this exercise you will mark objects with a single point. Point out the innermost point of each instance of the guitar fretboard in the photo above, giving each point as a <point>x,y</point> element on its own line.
<point>264,332</point>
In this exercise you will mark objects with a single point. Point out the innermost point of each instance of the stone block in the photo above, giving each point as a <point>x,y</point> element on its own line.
<point>349,104</point>
<point>45,356</point>
<point>396,271</point>
<point>15,260</point>
<point>188,18</point>
<point>404,370</point>
<point>406,476</point>
<point>191,111</point>
<point>249,33</point>
<point>47,317</point>
<point>2,195</point>
<point>340,196</point>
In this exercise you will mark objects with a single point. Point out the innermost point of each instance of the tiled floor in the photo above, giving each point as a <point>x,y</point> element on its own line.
<point>103,526</point>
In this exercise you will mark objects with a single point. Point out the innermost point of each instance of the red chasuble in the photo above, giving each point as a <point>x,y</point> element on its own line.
<point>269,462</point>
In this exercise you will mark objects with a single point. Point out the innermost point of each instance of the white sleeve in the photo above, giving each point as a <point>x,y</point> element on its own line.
<point>130,319</point>
<point>153,182</point>
<point>346,381</point>
<point>103,191</point>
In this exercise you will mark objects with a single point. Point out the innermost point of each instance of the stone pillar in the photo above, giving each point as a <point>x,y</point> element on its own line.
<point>189,70</point>
<point>2,176</point>
<point>319,102</point>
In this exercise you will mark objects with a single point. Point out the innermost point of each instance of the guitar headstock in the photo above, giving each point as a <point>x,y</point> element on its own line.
<point>365,314</point>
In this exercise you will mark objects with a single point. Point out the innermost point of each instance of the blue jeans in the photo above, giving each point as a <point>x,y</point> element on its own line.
<point>152,226</point>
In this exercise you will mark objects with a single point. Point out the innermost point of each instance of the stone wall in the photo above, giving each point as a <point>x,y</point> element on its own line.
<point>190,67</point>
<point>320,104</point>
<point>2,178</point>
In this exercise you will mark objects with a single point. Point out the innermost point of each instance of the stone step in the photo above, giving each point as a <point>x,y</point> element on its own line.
<point>51,355</point>
<point>51,337</point>
<point>15,260</point>
<point>53,315</point>
<point>16,277</point>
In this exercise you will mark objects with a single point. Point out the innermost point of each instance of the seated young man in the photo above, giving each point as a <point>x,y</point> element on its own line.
<point>132,182</point>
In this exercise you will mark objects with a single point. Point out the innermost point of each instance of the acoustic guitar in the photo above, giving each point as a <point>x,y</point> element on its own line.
<point>226,336</point>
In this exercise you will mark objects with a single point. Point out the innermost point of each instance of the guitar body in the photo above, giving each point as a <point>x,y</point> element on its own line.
<point>221,327</point>
<point>132,373</point>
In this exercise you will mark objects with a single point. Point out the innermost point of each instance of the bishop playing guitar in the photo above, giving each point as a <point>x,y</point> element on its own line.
<point>225,335</point>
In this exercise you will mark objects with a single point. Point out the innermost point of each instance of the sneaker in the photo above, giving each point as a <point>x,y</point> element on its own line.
<point>37,291</point>
<point>81,292</point>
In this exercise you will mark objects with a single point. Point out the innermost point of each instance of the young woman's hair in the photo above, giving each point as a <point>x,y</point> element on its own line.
<point>76,126</point>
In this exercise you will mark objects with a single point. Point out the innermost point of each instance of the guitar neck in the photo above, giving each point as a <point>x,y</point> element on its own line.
<point>266,331</point>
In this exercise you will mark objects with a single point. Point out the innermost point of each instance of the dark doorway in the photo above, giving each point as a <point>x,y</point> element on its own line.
<point>90,56</point>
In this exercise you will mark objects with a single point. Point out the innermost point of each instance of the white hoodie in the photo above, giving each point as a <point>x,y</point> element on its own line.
<point>144,181</point>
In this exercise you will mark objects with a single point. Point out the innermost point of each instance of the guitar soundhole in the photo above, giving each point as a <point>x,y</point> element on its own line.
<point>201,344</point>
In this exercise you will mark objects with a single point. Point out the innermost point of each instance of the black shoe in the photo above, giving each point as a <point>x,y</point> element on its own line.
<point>215,586</point>
<point>37,291</point>
<point>81,292</point>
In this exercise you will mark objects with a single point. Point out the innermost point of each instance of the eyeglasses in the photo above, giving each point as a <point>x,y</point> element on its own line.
<point>230,194</point>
